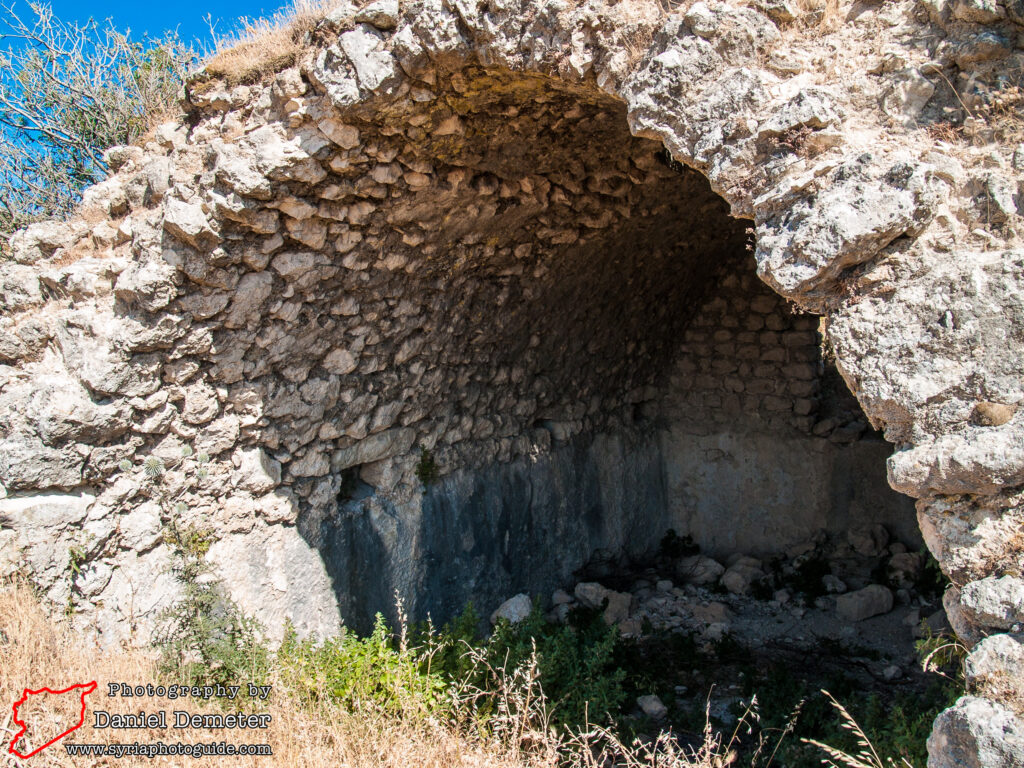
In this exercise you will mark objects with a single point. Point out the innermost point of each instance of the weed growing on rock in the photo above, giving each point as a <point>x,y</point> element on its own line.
<point>427,471</point>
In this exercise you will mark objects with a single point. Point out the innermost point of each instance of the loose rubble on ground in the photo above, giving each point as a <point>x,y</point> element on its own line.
<point>863,596</point>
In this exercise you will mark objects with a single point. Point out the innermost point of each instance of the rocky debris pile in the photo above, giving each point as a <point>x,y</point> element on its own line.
<point>863,591</point>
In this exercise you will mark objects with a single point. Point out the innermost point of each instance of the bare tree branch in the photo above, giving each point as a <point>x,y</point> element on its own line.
<point>68,92</point>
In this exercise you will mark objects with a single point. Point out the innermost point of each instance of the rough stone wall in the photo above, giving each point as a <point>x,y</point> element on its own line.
<point>762,442</point>
<point>202,295</point>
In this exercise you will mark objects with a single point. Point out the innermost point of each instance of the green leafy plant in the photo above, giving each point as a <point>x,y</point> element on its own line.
<point>427,471</point>
<point>76,559</point>
<point>575,664</point>
<point>203,637</point>
<point>376,671</point>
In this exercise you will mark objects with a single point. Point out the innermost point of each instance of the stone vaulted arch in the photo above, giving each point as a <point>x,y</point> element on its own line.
<point>455,229</point>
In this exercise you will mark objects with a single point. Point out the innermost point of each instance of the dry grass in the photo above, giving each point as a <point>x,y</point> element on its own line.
<point>265,46</point>
<point>37,651</point>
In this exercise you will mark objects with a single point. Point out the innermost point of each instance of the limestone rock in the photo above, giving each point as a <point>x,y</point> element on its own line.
<point>591,594</point>
<point>19,287</point>
<point>383,14</point>
<point>864,603</point>
<point>257,472</point>
<point>457,281</point>
<point>741,576</point>
<point>619,605</point>
<point>994,602</point>
<point>616,605</point>
<point>908,94</point>
<point>201,403</point>
<point>996,664</point>
<point>253,289</point>
<point>45,510</point>
<point>652,706</point>
<point>869,541</point>
<point>150,284</point>
<point>383,445</point>
<point>375,68</point>
<point>976,733</point>
<point>904,568</point>
<point>189,223</point>
<point>699,570</point>
<point>26,463</point>
<point>513,610</point>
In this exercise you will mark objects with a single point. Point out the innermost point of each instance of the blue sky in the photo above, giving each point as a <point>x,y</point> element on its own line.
<point>153,17</point>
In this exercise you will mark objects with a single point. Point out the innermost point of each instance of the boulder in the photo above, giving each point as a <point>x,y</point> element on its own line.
<point>869,541</point>
<point>652,706</point>
<point>976,733</point>
<point>994,602</point>
<point>872,600</point>
<point>741,576</point>
<point>699,570</point>
<point>591,594</point>
<point>619,605</point>
<point>904,569</point>
<point>513,610</point>
<point>616,604</point>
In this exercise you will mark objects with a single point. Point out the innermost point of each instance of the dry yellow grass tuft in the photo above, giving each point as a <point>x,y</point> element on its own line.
<point>266,45</point>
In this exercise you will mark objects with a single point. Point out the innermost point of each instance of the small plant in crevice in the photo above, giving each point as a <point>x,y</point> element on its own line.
<point>154,478</point>
<point>427,471</point>
<point>76,559</point>
<point>942,653</point>
<point>203,638</point>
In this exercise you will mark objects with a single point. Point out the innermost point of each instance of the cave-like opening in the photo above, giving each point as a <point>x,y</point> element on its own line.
<point>566,325</point>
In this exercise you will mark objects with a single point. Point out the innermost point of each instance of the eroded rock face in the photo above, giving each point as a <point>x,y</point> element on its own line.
<point>453,230</point>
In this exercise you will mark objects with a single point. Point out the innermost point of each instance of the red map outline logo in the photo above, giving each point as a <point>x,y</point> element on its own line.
<point>87,688</point>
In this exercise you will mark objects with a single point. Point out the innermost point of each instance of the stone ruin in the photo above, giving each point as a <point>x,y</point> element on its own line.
<point>472,292</point>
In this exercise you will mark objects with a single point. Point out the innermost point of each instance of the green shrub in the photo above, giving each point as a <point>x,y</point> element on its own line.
<point>576,662</point>
<point>204,638</point>
<point>358,672</point>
